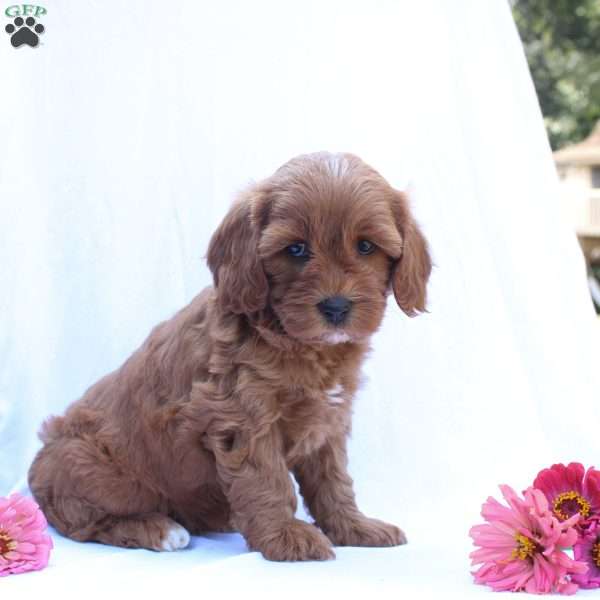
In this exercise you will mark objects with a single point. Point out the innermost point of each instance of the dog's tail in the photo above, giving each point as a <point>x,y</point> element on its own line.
<point>77,422</point>
<point>52,429</point>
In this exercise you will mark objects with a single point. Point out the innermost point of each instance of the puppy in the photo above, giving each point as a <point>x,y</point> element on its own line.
<point>200,428</point>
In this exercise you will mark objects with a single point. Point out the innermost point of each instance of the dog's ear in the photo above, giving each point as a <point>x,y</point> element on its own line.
<point>240,280</point>
<point>411,271</point>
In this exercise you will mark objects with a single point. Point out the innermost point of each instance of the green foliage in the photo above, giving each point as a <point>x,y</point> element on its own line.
<point>562,44</point>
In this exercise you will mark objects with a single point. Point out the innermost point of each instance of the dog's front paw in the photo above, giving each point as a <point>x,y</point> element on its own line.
<point>358,530</point>
<point>294,540</point>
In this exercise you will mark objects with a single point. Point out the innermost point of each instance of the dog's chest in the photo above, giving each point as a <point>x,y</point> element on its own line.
<point>314,397</point>
<point>310,416</point>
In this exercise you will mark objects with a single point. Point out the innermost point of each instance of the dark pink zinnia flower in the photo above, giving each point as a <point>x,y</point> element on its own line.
<point>521,546</point>
<point>587,549</point>
<point>570,490</point>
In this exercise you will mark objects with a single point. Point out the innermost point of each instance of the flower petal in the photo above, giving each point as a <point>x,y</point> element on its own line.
<point>519,547</point>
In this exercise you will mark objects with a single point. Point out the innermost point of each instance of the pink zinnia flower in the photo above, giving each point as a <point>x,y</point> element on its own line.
<point>587,549</point>
<point>570,490</point>
<point>24,546</point>
<point>520,545</point>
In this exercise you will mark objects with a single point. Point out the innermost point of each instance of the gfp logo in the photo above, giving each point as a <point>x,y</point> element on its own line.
<point>24,30</point>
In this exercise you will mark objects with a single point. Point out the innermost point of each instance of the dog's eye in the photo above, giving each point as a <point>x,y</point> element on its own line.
<point>298,250</point>
<point>365,247</point>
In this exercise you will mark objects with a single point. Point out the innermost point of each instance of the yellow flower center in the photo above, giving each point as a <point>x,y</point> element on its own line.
<point>570,503</point>
<point>596,553</point>
<point>525,548</point>
<point>6,543</point>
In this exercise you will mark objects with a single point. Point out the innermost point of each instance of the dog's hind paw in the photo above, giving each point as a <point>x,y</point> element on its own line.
<point>176,538</point>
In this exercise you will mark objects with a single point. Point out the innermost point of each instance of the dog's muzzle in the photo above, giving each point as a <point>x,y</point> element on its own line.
<point>335,309</point>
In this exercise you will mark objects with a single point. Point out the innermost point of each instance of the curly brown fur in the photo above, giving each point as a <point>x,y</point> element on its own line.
<point>202,425</point>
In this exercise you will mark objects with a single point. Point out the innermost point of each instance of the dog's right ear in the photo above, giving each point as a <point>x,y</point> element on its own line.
<point>239,277</point>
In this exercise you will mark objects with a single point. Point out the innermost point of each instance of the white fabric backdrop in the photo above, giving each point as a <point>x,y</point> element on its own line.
<point>124,136</point>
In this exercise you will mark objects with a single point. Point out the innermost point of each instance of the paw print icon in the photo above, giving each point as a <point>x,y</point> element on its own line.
<point>24,32</point>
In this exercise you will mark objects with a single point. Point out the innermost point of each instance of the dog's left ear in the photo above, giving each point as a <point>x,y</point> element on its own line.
<point>239,277</point>
<point>411,271</point>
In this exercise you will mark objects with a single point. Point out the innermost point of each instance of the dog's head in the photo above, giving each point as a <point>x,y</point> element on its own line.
<point>322,242</point>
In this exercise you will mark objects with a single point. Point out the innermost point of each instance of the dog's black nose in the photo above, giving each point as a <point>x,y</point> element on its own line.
<point>335,309</point>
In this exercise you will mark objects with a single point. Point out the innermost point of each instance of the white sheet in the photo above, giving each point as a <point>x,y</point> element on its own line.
<point>125,136</point>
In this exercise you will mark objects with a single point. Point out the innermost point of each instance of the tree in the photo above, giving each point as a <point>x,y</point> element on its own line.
<point>562,44</point>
